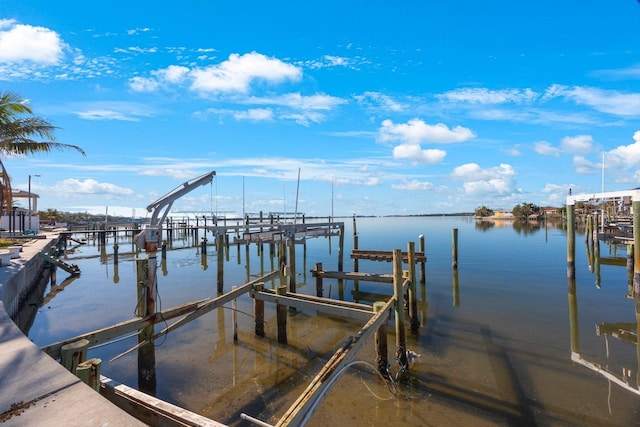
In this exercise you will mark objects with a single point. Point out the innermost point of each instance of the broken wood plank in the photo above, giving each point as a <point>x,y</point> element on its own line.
<point>384,255</point>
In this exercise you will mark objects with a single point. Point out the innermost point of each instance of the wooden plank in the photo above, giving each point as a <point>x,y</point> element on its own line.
<point>111,332</point>
<point>341,358</point>
<point>347,304</point>
<point>193,310</point>
<point>384,255</point>
<point>149,409</point>
<point>291,300</point>
<point>214,303</point>
<point>354,275</point>
<point>72,269</point>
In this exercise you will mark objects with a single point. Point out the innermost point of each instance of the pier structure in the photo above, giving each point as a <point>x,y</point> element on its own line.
<point>628,198</point>
<point>374,317</point>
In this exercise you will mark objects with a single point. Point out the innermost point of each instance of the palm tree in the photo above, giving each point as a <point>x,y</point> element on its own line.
<point>21,133</point>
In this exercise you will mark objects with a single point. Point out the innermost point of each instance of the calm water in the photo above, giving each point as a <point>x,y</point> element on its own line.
<point>495,350</point>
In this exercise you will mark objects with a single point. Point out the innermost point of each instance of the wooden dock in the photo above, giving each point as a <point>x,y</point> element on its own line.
<point>69,268</point>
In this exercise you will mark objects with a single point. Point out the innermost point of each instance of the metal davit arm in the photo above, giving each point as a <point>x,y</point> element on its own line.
<point>164,203</point>
<point>147,239</point>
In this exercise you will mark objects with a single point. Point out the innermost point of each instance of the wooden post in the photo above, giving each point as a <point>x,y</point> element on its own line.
<point>401,341</point>
<point>571,243</point>
<point>413,301</point>
<point>456,289</point>
<point>281,315</point>
<point>454,248</point>
<point>72,354</point>
<point>89,372</point>
<point>636,252</point>
<point>341,249</point>
<point>422,248</point>
<point>292,269</point>
<point>292,265</point>
<point>382,359</point>
<point>258,310</point>
<point>115,253</point>
<point>319,285</point>
<point>234,307</point>
<point>573,316</point>
<point>596,263</point>
<point>146,276</point>
<point>247,256</point>
<point>164,250</point>
<point>356,263</point>
<point>220,272</point>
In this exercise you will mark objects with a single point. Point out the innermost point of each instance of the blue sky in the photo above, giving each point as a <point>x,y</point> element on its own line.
<point>405,108</point>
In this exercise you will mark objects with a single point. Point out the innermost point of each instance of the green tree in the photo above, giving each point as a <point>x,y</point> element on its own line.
<point>483,211</point>
<point>523,211</point>
<point>22,133</point>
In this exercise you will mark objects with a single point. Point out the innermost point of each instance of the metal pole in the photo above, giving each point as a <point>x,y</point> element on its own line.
<point>30,199</point>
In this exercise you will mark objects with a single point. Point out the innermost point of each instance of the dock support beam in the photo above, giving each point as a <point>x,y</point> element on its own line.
<point>382,358</point>
<point>281,316</point>
<point>319,285</point>
<point>571,242</point>
<point>413,300</point>
<point>220,247</point>
<point>401,339</point>
<point>454,248</point>
<point>258,310</point>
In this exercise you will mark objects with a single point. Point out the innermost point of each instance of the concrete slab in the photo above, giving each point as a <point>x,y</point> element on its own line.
<point>37,390</point>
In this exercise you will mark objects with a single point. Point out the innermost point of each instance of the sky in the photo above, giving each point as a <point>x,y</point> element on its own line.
<point>325,108</point>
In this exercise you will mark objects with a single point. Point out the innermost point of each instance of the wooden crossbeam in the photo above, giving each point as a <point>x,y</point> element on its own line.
<point>341,358</point>
<point>357,312</point>
<point>384,255</point>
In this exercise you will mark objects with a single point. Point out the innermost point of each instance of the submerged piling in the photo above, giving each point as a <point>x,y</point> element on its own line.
<point>258,311</point>
<point>281,316</point>
<point>220,269</point>
<point>382,358</point>
<point>571,242</point>
<point>454,248</point>
<point>401,340</point>
<point>319,284</point>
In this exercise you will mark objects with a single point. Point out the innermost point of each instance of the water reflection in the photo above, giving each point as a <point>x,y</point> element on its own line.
<point>505,337</point>
<point>616,370</point>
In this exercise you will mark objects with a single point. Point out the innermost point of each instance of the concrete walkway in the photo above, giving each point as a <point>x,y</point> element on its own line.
<point>36,390</point>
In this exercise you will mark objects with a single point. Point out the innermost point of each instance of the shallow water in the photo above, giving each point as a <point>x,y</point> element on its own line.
<point>495,337</point>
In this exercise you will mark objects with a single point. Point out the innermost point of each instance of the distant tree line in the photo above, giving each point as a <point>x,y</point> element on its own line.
<point>54,215</point>
<point>520,211</point>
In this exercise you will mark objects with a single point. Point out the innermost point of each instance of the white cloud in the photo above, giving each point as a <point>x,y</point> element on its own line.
<point>173,74</point>
<point>91,186</point>
<point>499,180</point>
<point>238,72</point>
<point>488,96</point>
<point>123,111</point>
<point>235,75</point>
<point>625,156</point>
<point>20,43</point>
<point>144,84</point>
<point>580,144</point>
<point>413,185</point>
<point>606,101</point>
<point>584,166</point>
<point>546,149</point>
<point>416,154</point>
<point>416,131</point>
<point>254,114</point>
<point>376,100</point>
